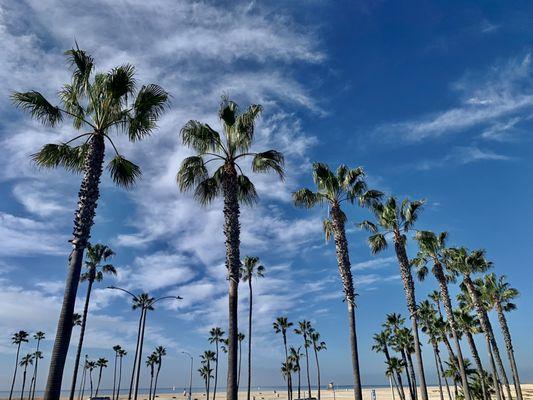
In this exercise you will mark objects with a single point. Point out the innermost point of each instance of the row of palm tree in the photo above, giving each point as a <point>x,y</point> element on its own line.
<point>311,339</point>
<point>154,362</point>
<point>29,359</point>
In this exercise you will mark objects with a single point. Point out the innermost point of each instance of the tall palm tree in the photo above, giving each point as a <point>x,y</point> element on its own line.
<point>404,339</point>
<point>396,220</point>
<point>121,354</point>
<point>394,369</point>
<point>145,303</point>
<point>116,349</point>
<point>159,351</point>
<point>240,338</point>
<point>382,342</point>
<point>250,269</point>
<point>38,336</point>
<point>216,336</point>
<point>304,329</point>
<point>18,338</point>
<point>318,345</point>
<point>91,365</point>
<point>228,181</point>
<point>334,188</point>
<point>431,250</point>
<point>151,361</point>
<point>95,263</point>
<point>434,296</point>
<point>207,358</point>
<point>466,263</point>
<point>101,363</point>
<point>97,103</point>
<point>26,361</point>
<point>81,390</point>
<point>280,325</point>
<point>295,357</point>
<point>500,295</point>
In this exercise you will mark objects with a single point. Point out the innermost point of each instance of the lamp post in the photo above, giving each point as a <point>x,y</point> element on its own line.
<point>190,376</point>
<point>145,303</point>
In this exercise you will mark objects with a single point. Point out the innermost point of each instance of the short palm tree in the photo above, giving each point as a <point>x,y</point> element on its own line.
<point>97,103</point>
<point>216,337</point>
<point>396,220</point>
<point>280,325</point>
<point>38,336</point>
<point>25,362</point>
<point>207,358</point>
<point>159,351</point>
<point>121,354</point>
<point>95,263</point>
<point>18,338</point>
<point>150,362</point>
<point>318,345</point>
<point>404,340</point>
<point>431,250</point>
<point>500,295</point>
<point>250,269</point>
<point>394,369</point>
<point>116,349</point>
<point>333,189</point>
<point>228,181</point>
<point>304,329</point>
<point>91,366</point>
<point>287,368</point>
<point>240,338</point>
<point>382,342</point>
<point>295,357</point>
<point>101,363</point>
<point>83,381</point>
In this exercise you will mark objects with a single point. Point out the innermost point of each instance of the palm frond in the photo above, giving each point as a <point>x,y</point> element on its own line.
<point>61,155</point>
<point>270,160</point>
<point>410,213</point>
<point>192,171</point>
<point>368,226</point>
<point>228,111</point>
<point>150,103</point>
<point>377,243</point>
<point>123,172</point>
<point>327,225</point>
<point>121,82</point>
<point>200,137</point>
<point>246,190</point>
<point>370,197</point>
<point>306,198</point>
<point>352,176</point>
<point>37,106</point>
<point>70,100</point>
<point>83,65</point>
<point>324,178</point>
<point>207,190</point>
<point>243,134</point>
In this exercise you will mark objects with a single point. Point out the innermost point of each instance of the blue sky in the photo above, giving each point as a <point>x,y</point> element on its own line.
<point>433,99</point>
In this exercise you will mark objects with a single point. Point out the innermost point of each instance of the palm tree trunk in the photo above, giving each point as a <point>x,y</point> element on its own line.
<point>208,379</point>
<point>81,390</point>
<point>136,358</point>
<point>151,383</point>
<point>318,371</point>
<point>441,371</point>
<point>407,374</point>
<point>509,346</point>
<point>284,333</point>
<point>451,354</point>
<point>299,380</point>
<point>233,264</point>
<point>99,380</point>
<point>439,274</point>
<point>409,289</point>
<point>435,351</point>
<point>15,372</point>
<point>114,374</point>
<point>250,304</point>
<point>391,388</point>
<point>157,375</point>
<point>23,382</point>
<point>343,261</point>
<point>487,328</point>
<point>307,367</point>
<point>398,377</point>
<point>239,368</point>
<point>216,374</point>
<point>477,360</point>
<point>140,355</point>
<point>119,378</point>
<point>495,378</point>
<point>83,220</point>
<point>34,377</point>
<point>401,392</point>
<point>91,381</point>
<point>82,335</point>
<point>412,373</point>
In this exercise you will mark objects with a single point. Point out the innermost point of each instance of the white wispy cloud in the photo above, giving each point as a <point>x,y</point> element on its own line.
<point>463,155</point>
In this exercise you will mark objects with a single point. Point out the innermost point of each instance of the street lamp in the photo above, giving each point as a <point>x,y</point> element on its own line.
<point>190,376</point>
<point>145,303</point>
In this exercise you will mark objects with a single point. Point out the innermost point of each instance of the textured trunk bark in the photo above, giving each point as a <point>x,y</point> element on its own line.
<point>495,378</point>
<point>487,328</point>
<point>239,367</point>
<point>232,231</point>
<point>413,376</point>
<point>250,308</point>
<point>135,359</point>
<point>451,354</point>
<point>82,335</point>
<point>140,355</point>
<point>477,360</point>
<point>441,371</point>
<point>343,260</point>
<point>409,289</point>
<point>408,375</point>
<point>509,346</point>
<point>439,274</point>
<point>83,220</point>
<point>15,372</point>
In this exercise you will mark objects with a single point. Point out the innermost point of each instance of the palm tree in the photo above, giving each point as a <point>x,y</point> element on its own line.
<point>382,341</point>
<point>91,365</point>
<point>228,181</point>
<point>96,256</point>
<point>397,220</point>
<point>101,363</point>
<point>304,329</point>
<point>280,325</point>
<point>25,362</point>
<point>455,374</point>
<point>216,336</point>
<point>18,338</point>
<point>250,268</point>
<point>500,295</point>
<point>334,189</point>
<point>151,360</point>
<point>240,338</point>
<point>295,356</point>
<point>38,355</point>
<point>207,358</point>
<point>116,349</point>
<point>287,369</point>
<point>121,354</point>
<point>394,370</point>
<point>431,249</point>
<point>160,351</point>
<point>99,105</point>
<point>318,345</point>
<point>466,263</point>
<point>81,390</point>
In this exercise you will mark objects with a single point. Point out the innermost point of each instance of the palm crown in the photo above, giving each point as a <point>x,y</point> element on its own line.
<point>496,289</point>
<point>227,150</point>
<point>251,268</point>
<point>432,248</point>
<point>99,103</point>
<point>95,256</point>
<point>19,337</point>
<point>281,324</point>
